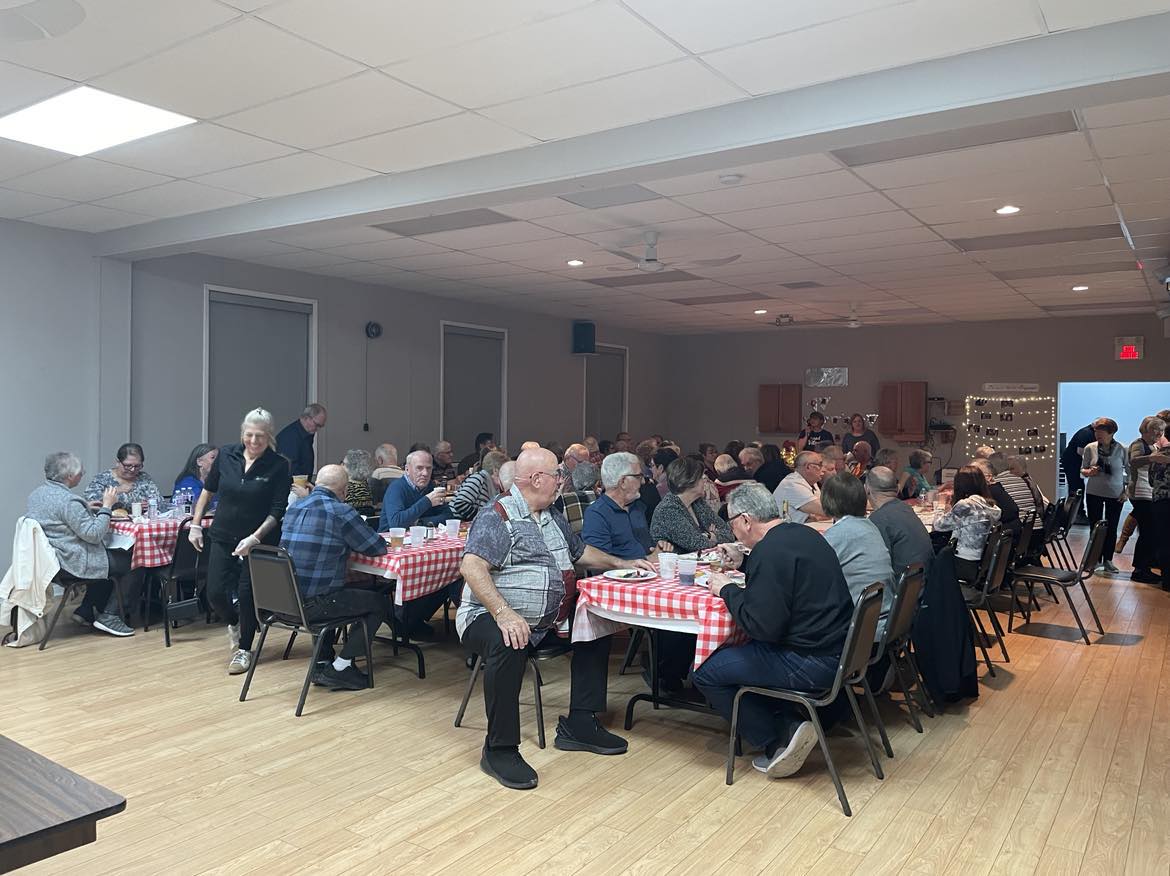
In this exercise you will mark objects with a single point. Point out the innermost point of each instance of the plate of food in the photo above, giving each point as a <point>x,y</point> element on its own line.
<point>630,575</point>
<point>120,514</point>
<point>737,578</point>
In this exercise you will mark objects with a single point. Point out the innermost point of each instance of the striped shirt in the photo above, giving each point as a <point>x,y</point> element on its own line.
<point>1141,474</point>
<point>1021,494</point>
<point>473,494</point>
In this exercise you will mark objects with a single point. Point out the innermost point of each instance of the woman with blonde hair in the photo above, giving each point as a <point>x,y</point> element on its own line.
<point>252,482</point>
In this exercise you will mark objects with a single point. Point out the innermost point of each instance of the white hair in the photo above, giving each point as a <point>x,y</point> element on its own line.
<point>755,500</point>
<point>508,475</point>
<point>616,466</point>
<point>357,464</point>
<point>261,419</point>
<point>410,457</point>
<point>61,466</point>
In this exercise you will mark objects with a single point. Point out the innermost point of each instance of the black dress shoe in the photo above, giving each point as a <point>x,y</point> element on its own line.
<point>507,767</point>
<point>588,736</point>
<point>350,678</point>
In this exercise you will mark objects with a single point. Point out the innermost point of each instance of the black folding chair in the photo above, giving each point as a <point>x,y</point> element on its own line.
<point>546,651</point>
<point>278,604</point>
<point>895,644</point>
<point>998,556</point>
<point>183,582</point>
<point>1066,520</point>
<point>854,659</point>
<point>1066,579</point>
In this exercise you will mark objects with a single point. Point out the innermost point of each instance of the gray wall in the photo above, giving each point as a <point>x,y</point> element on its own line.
<point>545,382</point>
<point>956,360</point>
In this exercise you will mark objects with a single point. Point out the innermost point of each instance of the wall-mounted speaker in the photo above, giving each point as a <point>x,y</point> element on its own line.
<point>584,338</point>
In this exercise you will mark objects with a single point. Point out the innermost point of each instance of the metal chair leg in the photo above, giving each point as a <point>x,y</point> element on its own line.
<point>929,705</point>
<point>816,722</point>
<point>636,636</point>
<point>998,630</point>
<point>368,636</point>
<point>1077,617</point>
<point>255,660</point>
<point>308,673</point>
<point>910,707</point>
<point>734,736</point>
<point>979,634</point>
<point>56,614</point>
<point>539,704</point>
<point>1092,608</point>
<point>877,718</point>
<point>864,729</point>
<point>470,687</point>
<point>288,647</point>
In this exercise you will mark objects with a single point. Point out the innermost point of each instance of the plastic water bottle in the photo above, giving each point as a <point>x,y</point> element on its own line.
<point>152,509</point>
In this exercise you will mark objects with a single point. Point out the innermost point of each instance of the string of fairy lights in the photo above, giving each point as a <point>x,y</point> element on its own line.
<point>1024,425</point>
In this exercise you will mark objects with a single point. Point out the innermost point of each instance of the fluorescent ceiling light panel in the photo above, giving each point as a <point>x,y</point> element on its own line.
<point>1039,238</point>
<point>86,120</point>
<point>718,299</point>
<point>1072,271</point>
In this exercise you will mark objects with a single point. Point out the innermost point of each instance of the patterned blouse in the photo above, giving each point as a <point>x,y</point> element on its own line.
<point>673,523</point>
<point>357,496</point>
<point>143,491</point>
<point>971,519</point>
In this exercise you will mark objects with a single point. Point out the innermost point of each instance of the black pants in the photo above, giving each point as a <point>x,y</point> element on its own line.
<point>503,677</point>
<point>1111,509</point>
<point>373,605</point>
<point>419,611</point>
<point>676,653</point>
<point>1161,529</point>
<point>967,571</point>
<point>228,577</point>
<point>1072,476</point>
<point>1144,551</point>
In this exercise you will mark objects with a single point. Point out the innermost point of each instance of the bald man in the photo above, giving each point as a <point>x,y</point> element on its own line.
<point>518,565</point>
<point>575,454</point>
<point>530,445</point>
<point>318,532</point>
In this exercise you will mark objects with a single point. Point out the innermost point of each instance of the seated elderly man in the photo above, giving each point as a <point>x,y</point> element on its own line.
<point>386,469</point>
<point>796,610</point>
<point>801,490</point>
<point>617,522</point>
<point>902,531</point>
<point>573,504</point>
<point>414,498</point>
<point>318,532</point>
<point>443,463</point>
<point>479,488</point>
<point>770,474</point>
<point>1016,487</point>
<point>1009,516</point>
<point>518,564</point>
<point>574,455</point>
<point>77,531</point>
<point>832,460</point>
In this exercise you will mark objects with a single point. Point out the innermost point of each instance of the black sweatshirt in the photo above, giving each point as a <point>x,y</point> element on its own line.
<point>245,499</point>
<point>796,595</point>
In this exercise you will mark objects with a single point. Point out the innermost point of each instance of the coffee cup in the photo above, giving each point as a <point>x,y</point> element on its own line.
<point>397,536</point>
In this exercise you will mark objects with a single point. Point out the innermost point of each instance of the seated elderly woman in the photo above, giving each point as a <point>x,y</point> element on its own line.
<point>479,488</point>
<point>194,473</point>
<point>131,482</point>
<point>913,481</point>
<point>728,475</point>
<point>77,533</point>
<point>859,545</point>
<point>357,491</point>
<point>683,517</point>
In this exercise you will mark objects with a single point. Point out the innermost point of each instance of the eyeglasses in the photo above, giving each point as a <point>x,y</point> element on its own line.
<point>623,477</point>
<point>732,520</point>
<point>813,465</point>
<point>128,467</point>
<point>320,424</point>
<point>556,475</point>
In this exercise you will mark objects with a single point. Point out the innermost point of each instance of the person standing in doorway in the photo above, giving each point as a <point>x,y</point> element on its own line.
<point>1105,465</point>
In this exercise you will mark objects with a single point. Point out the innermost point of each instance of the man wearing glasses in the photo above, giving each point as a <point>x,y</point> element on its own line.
<point>617,522</point>
<point>801,490</point>
<point>295,441</point>
<point>519,568</point>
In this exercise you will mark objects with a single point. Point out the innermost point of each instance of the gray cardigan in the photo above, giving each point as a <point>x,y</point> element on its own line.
<point>76,533</point>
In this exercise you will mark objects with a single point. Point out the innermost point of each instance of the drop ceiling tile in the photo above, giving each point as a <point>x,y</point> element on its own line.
<point>539,208</point>
<point>21,87</point>
<point>431,143</point>
<point>539,57</point>
<point>1019,188</point>
<point>241,65</point>
<point>249,5</point>
<point>116,32</point>
<point>84,179</point>
<point>849,206</point>
<point>862,241</point>
<point>1140,139</point>
<point>630,239</point>
<point>1029,221</point>
<point>18,205</point>
<point>911,32</point>
<point>435,260</point>
<point>17,159</point>
<point>668,90</point>
<point>1136,168</point>
<point>489,235</point>
<point>352,270</point>
<point>377,32</point>
<point>1142,192</point>
<point>301,172</point>
<point>1071,201</point>
<point>363,105</point>
<point>764,171</point>
<point>626,216</point>
<point>1144,211</point>
<point>391,247</point>
<point>176,198</point>
<point>1130,112</point>
<point>864,224</point>
<point>1069,14</point>
<point>244,248</point>
<point>887,253</point>
<point>301,260</point>
<point>88,217</point>
<point>326,236</point>
<point>776,193</point>
<point>193,150</point>
<point>484,270</point>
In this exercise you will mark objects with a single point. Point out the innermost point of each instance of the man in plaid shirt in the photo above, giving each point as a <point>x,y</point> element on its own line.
<point>518,565</point>
<point>573,503</point>
<point>318,532</point>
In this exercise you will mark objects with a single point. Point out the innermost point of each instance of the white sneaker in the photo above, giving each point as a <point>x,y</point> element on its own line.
<point>791,759</point>
<point>240,663</point>
<point>234,636</point>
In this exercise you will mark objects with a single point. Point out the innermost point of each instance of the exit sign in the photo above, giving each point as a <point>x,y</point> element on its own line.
<point>1129,348</point>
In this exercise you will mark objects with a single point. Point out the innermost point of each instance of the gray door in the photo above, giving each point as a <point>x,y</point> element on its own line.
<point>258,357</point>
<point>473,372</point>
<point>605,392</point>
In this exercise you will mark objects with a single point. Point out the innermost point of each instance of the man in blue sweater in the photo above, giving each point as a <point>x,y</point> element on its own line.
<point>414,500</point>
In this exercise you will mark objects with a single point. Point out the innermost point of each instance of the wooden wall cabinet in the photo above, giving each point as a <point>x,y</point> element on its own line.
<point>902,411</point>
<point>780,409</point>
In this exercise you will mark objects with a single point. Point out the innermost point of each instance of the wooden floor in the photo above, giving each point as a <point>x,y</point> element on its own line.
<point>1061,766</point>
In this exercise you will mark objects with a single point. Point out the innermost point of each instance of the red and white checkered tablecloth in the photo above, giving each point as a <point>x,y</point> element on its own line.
<point>418,570</point>
<point>605,605</point>
<point>154,540</point>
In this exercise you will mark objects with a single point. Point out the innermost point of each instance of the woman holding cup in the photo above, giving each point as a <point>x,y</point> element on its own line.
<point>252,483</point>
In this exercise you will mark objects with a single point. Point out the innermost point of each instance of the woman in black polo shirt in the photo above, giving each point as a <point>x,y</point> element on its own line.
<point>252,482</point>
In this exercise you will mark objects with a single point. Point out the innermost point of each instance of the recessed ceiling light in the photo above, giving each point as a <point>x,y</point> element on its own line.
<point>760,312</point>
<point>1007,210</point>
<point>1080,288</point>
<point>86,120</point>
<point>574,263</point>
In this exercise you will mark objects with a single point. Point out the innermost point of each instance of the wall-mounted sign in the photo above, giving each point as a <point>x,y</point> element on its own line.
<point>1011,387</point>
<point>826,377</point>
<point>1132,347</point>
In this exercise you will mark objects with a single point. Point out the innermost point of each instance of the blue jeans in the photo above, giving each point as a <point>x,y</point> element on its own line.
<point>763,721</point>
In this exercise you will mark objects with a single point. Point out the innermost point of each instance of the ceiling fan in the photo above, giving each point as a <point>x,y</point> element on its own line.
<point>852,321</point>
<point>649,263</point>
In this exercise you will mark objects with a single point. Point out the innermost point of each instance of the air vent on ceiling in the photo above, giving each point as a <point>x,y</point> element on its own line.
<point>1039,238</point>
<point>611,197</point>
<point>961,138</point>
<point>643,279</point>
<point>1098,307</point>
<point>718,299</point>
<point>1086,270</point>
<point>803,284</point>
<point>445,222</point>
